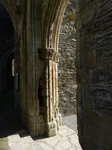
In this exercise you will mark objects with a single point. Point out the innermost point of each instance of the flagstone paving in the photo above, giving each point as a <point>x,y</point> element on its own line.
<point>66,139</point>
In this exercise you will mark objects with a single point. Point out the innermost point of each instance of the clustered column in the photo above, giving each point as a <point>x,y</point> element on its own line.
<point>54,119</point>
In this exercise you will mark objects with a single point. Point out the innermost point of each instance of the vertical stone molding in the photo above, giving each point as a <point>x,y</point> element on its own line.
<point>52,16</point>
<point>53,118</point>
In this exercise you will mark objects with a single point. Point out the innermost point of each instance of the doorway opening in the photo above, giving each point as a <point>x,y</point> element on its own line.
<point>9,120</point>
<point>66,69</point>
<point>7,93</point>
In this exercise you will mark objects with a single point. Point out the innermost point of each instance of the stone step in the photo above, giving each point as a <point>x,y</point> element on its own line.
<point>22,141</point>
<point>66,139</point>
<point>15,142</point>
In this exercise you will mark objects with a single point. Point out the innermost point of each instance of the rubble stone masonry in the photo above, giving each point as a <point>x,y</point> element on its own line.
<point>66,69</point>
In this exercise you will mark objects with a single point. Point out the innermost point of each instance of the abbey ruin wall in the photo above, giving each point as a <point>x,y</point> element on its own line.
<point>66,68</point>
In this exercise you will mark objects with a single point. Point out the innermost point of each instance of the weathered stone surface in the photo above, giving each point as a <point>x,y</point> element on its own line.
<point>37,30</point>
<point>65,139</point>
<point>66,69</point>
<point>94,74</point>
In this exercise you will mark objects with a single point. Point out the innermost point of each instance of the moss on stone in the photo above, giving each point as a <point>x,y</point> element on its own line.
<point>72,16</point>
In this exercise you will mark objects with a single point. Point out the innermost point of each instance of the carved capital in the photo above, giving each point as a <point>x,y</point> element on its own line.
<point>49,53</point>
<point>56,57</point>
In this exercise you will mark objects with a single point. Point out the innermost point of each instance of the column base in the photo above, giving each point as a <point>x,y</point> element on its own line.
<point>54,126</point>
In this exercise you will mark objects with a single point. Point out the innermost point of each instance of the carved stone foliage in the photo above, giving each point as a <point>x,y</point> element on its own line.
<point>51,54</point>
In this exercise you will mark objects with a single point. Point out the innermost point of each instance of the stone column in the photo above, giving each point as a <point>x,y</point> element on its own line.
<point>54,119</point>
<point>55,78</point>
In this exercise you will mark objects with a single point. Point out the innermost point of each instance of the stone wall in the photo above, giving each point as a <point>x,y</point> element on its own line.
<point>66,68</point>
<point>94,74</point>
<point>94,69</point>
<point>33,98</point>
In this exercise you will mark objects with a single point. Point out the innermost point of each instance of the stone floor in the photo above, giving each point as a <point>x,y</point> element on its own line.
<point>66,139</point>
<point>71,122</point>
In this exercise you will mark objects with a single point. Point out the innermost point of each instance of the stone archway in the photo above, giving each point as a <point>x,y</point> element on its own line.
<point>9,120</point>
<point>50,35</point>
<point>36,46</point>
<point>36,64</point>
<point>6,53</point>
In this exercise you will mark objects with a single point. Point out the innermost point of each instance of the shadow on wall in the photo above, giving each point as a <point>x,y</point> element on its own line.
<point>9,120</point>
